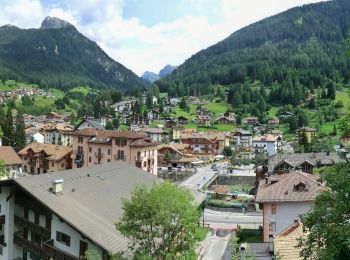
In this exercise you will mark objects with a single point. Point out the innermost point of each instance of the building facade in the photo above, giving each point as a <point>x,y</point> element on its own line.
<point>96,146</point>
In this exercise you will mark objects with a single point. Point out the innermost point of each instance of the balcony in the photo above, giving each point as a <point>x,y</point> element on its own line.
<point>44,232</point>
<point>27,244</point>
<point>98,155</point>
<point>52,252</point>
<point>2,219</point>
<point>78,152</point>
<point>119,157</point>
<point>139,158</point>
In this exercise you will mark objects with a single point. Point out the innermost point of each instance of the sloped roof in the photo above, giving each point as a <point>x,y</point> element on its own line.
<point>9,156</point>
<point>91,198</point>
<point>296,159</point>
<point>93,123</point>
<point>285,243</point>
<point>265,138</point>
<point>55,152</point>
<point>143,143</point>
<point>282,188</point>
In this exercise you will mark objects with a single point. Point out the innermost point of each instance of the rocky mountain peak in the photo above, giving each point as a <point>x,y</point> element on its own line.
<point>55,23</point>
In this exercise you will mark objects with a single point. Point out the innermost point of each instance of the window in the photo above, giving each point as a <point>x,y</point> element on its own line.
<point>63,238</point>
<point>273,208</point>
<point>90,149</point>
<point>62,165</point>
<point>36,217</point>
<point>144,164</point>
<point>89,158</point>
<point>80,139</point>
<point>53,164</point>
<point>272,226</point>
<point>122,155</point>
<point>109,151</point>
<point>108,160</point>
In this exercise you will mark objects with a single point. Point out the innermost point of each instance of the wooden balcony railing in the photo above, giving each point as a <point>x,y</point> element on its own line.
<point>52,252</point>
<point>44,232</point>
<point>27,244</point>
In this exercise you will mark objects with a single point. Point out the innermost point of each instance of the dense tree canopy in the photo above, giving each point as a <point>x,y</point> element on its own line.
<point>328,223</point>
<point>157,225</point>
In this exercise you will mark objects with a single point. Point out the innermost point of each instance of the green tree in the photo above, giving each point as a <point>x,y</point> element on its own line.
<point>3,169</point>
<point>344,124</point>
<point>327,225</point>
<point>27,101</point>
<point>160,221</point>
<point>331,92</point>
<point>109,125</point>
<point>7,128</point>
<point>227,151</point>
<point>19,135</point>
<point>183,103</point>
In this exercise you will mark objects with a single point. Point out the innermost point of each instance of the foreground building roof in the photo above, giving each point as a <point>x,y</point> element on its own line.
<point>296,186</point>
<point>91,201</point>
<point>285,243</point>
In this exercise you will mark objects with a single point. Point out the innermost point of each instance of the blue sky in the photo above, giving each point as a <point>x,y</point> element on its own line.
<point>147,34</point>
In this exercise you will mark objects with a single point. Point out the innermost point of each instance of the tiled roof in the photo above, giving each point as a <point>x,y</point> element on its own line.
<point>94,123</point>
<point>265,138</point>
<point>9,156</point>
<point>55,152</point>
<point>282,188</point>
<point>91,200</point>
<point>143,143</point>
<point>108,133</point>
<point>285,243</point>
<point>296,159</point>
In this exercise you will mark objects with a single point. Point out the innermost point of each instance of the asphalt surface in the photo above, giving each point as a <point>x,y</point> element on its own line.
<point>202,176</point>
<point>231,219</point>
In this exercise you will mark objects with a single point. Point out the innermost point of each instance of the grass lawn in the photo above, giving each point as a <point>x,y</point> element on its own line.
<point>11,84</point>
<point>201,232</point>
<point>272,112</point>
<point>216,108</point>
<point>163,94</point>
<point>83,90</point>
<point>189,115</point>
<point>344,97</point>
<point>155,124</point>
<point>123,128</point>
<point>225,127</point>
<point>250,235</point>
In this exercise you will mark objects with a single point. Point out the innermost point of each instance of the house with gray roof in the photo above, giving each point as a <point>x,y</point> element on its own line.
<point>61,215</point>
<point>89,123</point>
<point>285,163</point>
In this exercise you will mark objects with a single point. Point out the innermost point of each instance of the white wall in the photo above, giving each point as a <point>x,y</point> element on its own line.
<point>75,238</point>
<point>7,209</point>
<point>286,213</point>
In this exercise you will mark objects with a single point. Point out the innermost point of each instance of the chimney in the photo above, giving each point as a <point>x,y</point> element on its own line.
<point>57,186</point>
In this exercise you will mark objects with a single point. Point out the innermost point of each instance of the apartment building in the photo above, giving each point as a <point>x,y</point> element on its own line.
<point>268,144</point>
<point>60,134</point>
<point>96,146</point>
<point>284,198</point>
<point>241,137</point>
<point>60,216</point>
<point>200,145</point>
<point>40,158</point>
<point>306,162</point>
<point>309,133</point>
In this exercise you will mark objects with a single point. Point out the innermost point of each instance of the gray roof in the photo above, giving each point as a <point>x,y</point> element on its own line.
<point>91,198</point>
<point>296,159</point>
<point>93,123</point>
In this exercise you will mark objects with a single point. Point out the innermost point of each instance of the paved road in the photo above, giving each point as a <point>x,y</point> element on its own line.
<point>231,219</point>
<point>215,247</point>
<point>202,176</point>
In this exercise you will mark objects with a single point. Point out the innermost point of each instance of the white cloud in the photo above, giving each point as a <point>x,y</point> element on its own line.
<point>141,47</point>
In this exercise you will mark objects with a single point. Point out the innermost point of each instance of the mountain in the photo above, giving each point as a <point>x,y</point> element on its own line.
<point>167,70</point>
<point>303,45</point>
<point>58,55</point>
<point>152,77</point>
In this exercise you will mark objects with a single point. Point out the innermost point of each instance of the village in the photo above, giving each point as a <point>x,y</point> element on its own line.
<point>247,177</point>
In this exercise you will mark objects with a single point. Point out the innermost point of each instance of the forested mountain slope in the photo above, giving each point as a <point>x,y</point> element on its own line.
<point>303,45</point>
<point>57,55</point>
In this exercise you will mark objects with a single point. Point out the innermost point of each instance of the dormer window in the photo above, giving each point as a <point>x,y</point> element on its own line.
<point>301,186</point>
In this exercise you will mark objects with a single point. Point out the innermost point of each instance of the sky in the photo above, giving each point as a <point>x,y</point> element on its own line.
<point>145,35</point>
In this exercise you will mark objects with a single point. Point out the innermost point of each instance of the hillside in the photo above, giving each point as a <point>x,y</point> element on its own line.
<point>303,45</point>
<point>58,55</point>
